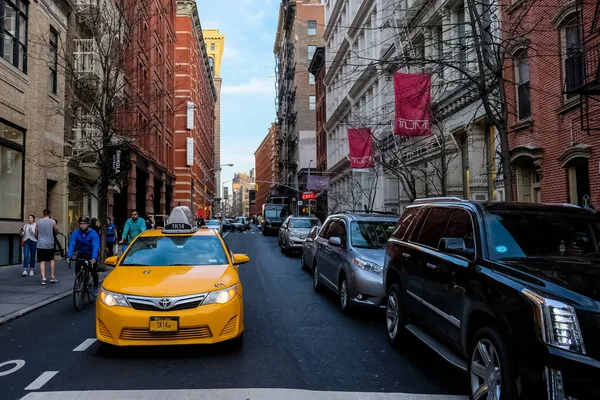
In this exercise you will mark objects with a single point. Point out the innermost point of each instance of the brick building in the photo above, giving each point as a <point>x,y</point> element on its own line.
<point>554,149</point>
<point>194,129</point>
<point>32,92</point>
<point>299,32</point>
<point>317,68</point>
<point>265,161</point>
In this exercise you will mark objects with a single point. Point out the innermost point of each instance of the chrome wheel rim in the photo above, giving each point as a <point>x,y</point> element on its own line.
<point>315,275</point>
<point>392,315</point>
<point>344,294</point>
<point>486,376</point>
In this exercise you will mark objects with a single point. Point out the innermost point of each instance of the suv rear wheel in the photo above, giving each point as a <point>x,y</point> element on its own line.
<point>491,375</point>
<point>395,317</point>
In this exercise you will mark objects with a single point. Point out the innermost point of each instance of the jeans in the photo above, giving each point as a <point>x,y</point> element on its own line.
<point>29,248</point>
<point>110,248</point>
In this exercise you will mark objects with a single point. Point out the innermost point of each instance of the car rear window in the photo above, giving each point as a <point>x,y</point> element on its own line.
<point>175,251</point>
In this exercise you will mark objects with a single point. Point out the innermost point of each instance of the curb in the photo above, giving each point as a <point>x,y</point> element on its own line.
<point>23,311</point>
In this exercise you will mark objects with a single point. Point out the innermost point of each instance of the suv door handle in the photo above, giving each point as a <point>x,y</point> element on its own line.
<point>432,266</point>
<point>406,255</point>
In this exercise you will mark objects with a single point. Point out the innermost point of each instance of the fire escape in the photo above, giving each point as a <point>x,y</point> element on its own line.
<point>586,84</point>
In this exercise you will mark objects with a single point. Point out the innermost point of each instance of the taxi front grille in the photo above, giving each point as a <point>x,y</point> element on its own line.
<point>197,332</point>
<point>230,327</point>
<point>152,307</point>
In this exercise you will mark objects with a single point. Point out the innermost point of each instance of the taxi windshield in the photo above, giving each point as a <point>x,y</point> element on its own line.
<point>154,251</point>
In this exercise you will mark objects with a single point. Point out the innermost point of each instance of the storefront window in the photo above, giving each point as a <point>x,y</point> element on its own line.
<point>11,172</point>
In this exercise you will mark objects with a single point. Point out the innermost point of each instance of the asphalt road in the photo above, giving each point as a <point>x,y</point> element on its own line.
<point>294,339</point>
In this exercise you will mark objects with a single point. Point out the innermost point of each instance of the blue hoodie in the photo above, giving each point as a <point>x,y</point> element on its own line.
<point>87,244</point>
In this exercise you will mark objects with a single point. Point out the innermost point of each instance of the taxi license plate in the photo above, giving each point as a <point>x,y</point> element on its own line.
<point>164,324</point>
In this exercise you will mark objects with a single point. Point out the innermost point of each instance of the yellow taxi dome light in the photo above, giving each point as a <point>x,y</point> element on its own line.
<point>181,220</point>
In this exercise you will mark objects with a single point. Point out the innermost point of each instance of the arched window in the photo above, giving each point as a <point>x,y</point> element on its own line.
<point>571,54</point>
<point>211,63</point>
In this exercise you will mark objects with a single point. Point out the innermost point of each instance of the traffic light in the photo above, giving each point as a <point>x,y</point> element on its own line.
<point>256,187</point>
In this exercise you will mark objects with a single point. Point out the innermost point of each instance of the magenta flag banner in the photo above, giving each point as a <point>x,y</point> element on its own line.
<point>361,149</point>
<point>413,97</point>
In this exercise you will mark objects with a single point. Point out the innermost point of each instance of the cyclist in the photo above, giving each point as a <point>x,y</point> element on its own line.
<point>86,243</point>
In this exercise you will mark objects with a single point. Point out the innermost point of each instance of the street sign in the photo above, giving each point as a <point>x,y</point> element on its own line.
<point>299,202</point>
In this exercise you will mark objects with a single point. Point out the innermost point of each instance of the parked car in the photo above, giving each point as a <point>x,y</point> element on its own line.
<point>508,292</point>
<point>308,248</point>
<point>228,225</point>
<point>349,257</point>
<point>214,224</point>
<point>294,231</point>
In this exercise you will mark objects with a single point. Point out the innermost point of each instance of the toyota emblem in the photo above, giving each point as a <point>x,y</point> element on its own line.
<point>164,303</point>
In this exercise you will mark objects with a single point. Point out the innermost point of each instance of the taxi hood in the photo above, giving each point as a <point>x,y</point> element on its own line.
<point>169,281</point>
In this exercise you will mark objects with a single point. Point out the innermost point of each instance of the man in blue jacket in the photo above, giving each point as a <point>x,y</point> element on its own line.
<point>86,243</point>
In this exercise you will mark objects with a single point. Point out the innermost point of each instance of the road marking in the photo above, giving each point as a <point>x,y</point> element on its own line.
<point>234,394</point>
<point>225,234</point>
<point>84,346</point>
<point>18,365</point>
<point>41,380</point>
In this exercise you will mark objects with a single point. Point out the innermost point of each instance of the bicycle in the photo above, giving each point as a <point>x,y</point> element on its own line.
<point>83,285</point>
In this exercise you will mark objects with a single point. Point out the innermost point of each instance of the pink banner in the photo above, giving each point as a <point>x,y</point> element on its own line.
<point>361,150</point>
<point>412,94</point>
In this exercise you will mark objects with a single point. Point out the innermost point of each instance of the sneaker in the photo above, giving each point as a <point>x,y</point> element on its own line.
<point>53,280</point>
<point>24,273</point>
<point>95,291</point>
<point>43,281</point>
<point>30,272</point>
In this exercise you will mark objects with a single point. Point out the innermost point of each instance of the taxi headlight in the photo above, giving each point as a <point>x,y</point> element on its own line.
<point>112,299</point>
<point>221,296</point>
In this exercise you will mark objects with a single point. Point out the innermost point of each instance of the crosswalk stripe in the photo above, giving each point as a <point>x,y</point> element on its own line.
<point>232,394</point>
<point>41,380</point>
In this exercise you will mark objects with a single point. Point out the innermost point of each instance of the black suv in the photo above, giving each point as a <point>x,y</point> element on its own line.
<point>508,292</point>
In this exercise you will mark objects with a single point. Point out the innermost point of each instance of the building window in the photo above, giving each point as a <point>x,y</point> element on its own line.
<point>311,52</point>
<point>212,46</point>
<point>11,172</point>
<point>53,60</point>
<point>311,79</point>
<point>523,95</point>
<point>13,32</point>
<point>211,63</point>
<point>312,27</point>
<point>312,102</point>
<point>572,55</point>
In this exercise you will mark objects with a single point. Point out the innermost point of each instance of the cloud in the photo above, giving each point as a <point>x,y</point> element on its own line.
<point>264,86</point>
<point>231,53</point>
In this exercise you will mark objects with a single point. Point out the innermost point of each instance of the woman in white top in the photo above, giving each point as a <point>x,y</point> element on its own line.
<point>29,246</point>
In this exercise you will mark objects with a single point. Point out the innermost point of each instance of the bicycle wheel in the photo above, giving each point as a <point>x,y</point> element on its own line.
<point>78,291</point>
<point>89,285</point>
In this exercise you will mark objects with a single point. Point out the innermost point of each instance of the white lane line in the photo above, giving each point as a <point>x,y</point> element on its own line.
<point>225,234</point>
<point>84,346</point>
<point>233,394</point>
<point>41,380</point>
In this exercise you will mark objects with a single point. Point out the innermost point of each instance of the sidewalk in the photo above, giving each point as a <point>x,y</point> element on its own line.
<point>20,295</point>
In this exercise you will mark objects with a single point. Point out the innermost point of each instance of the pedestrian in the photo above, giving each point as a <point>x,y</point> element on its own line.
<point>29,245</point>
<point>201,222</point>
<point>94,225</point>
<point>45,230</point>
<point>111,233</point>
<point>133,227</point>
<point>149,223</point>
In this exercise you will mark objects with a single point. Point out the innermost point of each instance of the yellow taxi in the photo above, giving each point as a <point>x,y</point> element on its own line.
<point>175,286</point>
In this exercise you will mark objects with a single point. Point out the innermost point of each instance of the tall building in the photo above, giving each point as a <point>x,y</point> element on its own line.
<point>239,178</point>
<point>317,69</point>
<point>194,134</point>
<point>215,46</point>
<point>265,161</point>
<point>32,93</point>
<point>149,89</point>
<point>299,32</point>
<point>553,119</point>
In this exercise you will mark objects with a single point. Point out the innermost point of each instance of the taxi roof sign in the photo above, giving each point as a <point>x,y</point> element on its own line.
<point>181,220</point>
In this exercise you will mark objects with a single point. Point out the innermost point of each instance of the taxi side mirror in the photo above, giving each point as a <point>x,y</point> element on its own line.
<point>111,261</point>
<point>240,259</point>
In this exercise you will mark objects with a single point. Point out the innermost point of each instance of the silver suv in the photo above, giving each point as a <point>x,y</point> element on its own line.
<point>294,231</point>
<point>349,257</point>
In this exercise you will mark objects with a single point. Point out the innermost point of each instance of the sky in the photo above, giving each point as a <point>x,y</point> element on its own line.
<point>248,73</point>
